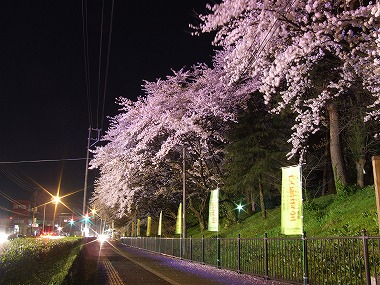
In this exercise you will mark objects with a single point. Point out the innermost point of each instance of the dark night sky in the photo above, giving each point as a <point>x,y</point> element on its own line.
<point>44,114</point>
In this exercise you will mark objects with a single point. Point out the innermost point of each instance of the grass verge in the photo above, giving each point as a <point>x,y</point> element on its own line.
<point>326,216</point>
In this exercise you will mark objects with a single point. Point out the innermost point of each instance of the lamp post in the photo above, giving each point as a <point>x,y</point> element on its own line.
<point>184,192</point>
<point>56,200</point>
<point>43,222</point>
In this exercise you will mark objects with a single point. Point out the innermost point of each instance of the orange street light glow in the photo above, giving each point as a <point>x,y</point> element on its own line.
<point>56,199</point>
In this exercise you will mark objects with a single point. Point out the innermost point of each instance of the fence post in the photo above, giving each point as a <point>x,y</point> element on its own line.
<point>191,248</point>
<point>366,258</point>
<point>203,249</point>
<point>173,248</point>
<point>304,258</point>
<point>266,256</point>
<point>218,250</point>
<point>239,253</point>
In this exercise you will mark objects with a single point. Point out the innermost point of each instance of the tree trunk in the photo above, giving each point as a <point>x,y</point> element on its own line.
<point>262,202</point>
<point>250,200</point>
<point>335,149</point>
<point>326,164</point>
<point>328,186</point>
<point>360,172</point>
<point>198,214</point>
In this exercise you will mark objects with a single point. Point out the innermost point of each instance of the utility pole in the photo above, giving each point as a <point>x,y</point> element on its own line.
<point>84,210</point>
<point>34,210</point>
<point>184,192</point>
<point>85,183</point>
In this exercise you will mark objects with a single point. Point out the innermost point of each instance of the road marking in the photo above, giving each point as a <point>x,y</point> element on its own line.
<point>167,279</point>
<point>113,275</point>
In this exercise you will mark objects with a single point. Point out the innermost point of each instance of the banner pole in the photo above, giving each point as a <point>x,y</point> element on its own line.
<point>304,259</point>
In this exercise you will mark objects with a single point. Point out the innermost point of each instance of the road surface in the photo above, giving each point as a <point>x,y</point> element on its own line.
<point>111,263</point>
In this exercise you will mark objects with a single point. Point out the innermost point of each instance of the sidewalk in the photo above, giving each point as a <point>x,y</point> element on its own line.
<point>176,271</point>
<point>118,264</point>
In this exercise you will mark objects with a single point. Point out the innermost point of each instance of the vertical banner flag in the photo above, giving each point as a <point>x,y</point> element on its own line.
<point>160,224</point>
<point>291,201</point>
<point>213,212</point>
<point>133,229</point>
<point>178,224</point>
<point>138,227</point>
<point>148,226</point>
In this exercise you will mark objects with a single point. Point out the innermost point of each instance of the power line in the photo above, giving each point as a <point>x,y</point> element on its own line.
<point>100,64</point>
<point>96,117</point>
<point>16,178</point>
<point>107,64</point>
<point>41,160</point>
<point>86,58</point>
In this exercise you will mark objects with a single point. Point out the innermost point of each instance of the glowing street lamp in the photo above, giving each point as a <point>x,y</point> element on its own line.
<point>240,207</point>
<point>56,199</point>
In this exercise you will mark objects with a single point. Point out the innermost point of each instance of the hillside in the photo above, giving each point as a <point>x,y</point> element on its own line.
<point>326,216</point>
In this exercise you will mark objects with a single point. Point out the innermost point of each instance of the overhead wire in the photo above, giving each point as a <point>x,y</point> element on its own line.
<point>41,160</point>
<point>107,64</point>
<point>86,58</point>
<point>10,199</point>
<point>14,203</point>
<point>102,71</point>
<point>100,64</point>
<point>17,179</point>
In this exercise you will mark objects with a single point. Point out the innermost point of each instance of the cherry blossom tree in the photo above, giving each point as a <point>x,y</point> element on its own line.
<point>143,150</point>
<point>307,55</point>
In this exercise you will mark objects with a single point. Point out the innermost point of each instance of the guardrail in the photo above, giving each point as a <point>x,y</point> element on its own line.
<point>334,260</point>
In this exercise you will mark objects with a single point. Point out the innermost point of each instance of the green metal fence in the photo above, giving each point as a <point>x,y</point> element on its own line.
<point>337,260</point>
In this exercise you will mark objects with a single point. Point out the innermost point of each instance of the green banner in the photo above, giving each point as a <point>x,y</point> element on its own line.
<point>291,201</point>
<point>213,214</point>
<point>148,226</point>
<point>178,225</point>
<point>160,224</point>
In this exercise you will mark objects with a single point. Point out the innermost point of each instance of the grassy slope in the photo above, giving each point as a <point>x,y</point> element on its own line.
<point>326,216</point>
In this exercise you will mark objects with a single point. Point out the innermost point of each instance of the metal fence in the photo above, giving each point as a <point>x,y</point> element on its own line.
<point>336,260</point>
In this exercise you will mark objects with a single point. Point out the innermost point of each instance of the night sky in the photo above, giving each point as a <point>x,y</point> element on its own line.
<point>44,107</point>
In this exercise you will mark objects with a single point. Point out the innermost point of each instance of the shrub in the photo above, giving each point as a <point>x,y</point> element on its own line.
<point>41,261</point>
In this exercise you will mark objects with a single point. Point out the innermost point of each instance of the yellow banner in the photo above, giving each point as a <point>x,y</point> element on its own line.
<point>148,226</point>
<point>138,227</point>
<point>178,225</point>
<point>160,224</point>
<point>133,229</point>
<point>291,201</point>
<point>213,214</point>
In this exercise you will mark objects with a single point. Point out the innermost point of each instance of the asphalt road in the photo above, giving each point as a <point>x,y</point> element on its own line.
<point>111,263</point>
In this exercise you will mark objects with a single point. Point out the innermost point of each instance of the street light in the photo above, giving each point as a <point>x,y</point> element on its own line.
<point>240,207</point>
<point>56,199</point>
